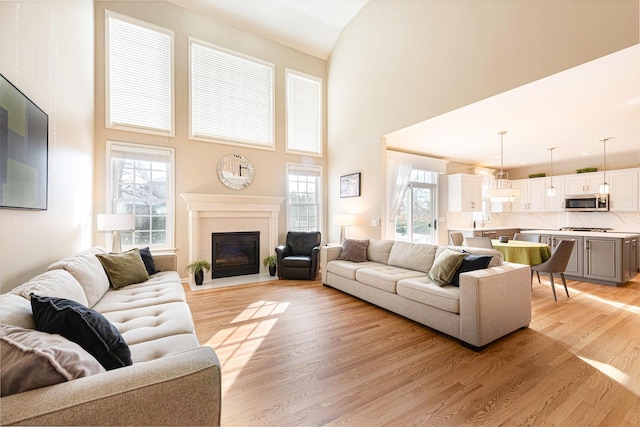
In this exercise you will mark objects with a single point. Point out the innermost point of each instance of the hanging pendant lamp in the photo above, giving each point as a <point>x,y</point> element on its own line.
<point>551,191</point>
<point>604,187</point>
<point>502,192</point>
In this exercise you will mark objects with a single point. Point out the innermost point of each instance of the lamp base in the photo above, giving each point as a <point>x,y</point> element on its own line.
<point>116,244</point>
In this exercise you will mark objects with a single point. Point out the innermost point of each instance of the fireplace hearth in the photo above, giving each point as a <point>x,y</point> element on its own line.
<point>235,253</point>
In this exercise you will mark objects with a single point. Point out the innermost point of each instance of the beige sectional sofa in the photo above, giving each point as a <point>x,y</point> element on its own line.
<point>172,381</point>
<point>488,304</point>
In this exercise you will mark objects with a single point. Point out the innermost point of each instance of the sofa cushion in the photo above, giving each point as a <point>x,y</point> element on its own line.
<point>354,250</point>
<point>124,268</point>
<point>445,266</point>
<point>16,311</point>
<point>84,326</point>
<point>161,288</point>
<point>348,269</point>
<point>33,359</point>
<point>378,250</point>
<point>470,263</point>
<point>53,283</point>
<point>385,277</point>
<point>412,256</point>
<point>88,271</point>
<point>150,323</point>
<point>147,259</point>
<point>161,347</point>
<point>426,291</point>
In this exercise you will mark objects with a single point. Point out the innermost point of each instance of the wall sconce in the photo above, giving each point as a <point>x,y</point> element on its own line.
<point>116,224</point>
<point>342,221</point>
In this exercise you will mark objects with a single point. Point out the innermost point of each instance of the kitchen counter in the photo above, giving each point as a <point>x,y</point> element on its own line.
<point>612,234</point>
<point>481,229</point>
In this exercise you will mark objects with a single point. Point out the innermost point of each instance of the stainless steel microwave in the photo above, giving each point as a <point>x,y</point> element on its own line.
<point>586,203</point>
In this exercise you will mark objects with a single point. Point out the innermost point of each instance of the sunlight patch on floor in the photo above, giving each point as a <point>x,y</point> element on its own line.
<point>236,345</point>
<point>630,308</point>
<point>631,384</point>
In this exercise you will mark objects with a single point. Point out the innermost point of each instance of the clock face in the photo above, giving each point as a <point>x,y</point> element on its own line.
<point>235,171</point>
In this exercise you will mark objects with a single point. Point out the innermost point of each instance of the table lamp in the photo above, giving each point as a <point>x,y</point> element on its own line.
<point>116,223</point>
<point>342,220</point>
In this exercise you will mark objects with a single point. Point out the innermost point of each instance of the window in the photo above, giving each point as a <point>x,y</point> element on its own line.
<point>414,221</point>
<point>304,201</point>
<point>141,183</point>
<point>231,96</point>
<point>304,113</point>
<point>139,77</point>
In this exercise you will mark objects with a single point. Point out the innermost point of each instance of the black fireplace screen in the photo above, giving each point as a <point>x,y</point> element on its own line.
<point>235,253</point>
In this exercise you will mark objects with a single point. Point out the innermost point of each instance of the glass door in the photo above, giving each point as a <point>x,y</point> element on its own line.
<point>415,221</point>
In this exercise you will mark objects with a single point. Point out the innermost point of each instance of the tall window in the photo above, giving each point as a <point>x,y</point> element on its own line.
<point>415,218</point>
<point>139,75</point>
<point>141,183</point>
<point>304,197</point>
<point>231,96</point>
<point>304,113</point>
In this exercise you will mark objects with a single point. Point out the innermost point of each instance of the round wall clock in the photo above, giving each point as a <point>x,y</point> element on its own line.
<point>235,171</point>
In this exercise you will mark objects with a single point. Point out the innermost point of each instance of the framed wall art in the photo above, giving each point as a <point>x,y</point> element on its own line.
<point>350,185</point>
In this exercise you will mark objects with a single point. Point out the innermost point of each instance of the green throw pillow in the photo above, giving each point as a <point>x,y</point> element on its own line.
<point>124,269</point>
<point>445,266</point>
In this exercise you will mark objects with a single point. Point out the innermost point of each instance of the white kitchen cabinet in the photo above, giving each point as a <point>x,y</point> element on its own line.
<point>555,203</point>
<point>533,193</point>
<point>465,193</point>
<point>623,188</point>
<point>582,183</point>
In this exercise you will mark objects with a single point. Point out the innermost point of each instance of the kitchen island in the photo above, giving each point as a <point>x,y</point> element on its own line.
<point>608,258</point>
<point>490,232</point>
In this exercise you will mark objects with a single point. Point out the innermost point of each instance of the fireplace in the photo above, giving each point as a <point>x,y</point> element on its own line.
<point>235,253</point>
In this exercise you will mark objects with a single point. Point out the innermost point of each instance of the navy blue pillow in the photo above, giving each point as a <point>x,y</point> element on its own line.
<point>84,326</point>
<point>470,263</point>
<point>147,259</point>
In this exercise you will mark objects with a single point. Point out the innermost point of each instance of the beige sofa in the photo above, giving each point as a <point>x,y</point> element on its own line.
<point>488,304</point>
<point>172,381</point>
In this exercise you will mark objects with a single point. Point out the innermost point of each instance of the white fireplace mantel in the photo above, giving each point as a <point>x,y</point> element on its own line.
<point>201,206</point>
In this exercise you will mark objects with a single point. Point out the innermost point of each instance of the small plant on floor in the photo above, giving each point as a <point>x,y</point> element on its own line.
<point>196,268</point>
<point>271,261</point>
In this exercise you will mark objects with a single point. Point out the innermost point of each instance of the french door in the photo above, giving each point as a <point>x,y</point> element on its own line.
<point>416,218</point>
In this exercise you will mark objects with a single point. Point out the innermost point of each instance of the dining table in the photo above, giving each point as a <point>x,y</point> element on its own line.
<point>522,252</point>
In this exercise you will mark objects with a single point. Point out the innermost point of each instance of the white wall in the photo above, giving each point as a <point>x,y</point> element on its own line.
<point>196,161</point>
<point>46,50</point>
<point>404,61</point>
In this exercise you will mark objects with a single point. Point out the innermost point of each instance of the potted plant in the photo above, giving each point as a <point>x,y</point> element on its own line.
<point>196,268</point>
<point>271,261</point>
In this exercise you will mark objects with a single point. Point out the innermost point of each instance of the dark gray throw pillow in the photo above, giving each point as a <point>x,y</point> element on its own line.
<point>148,261</point>
<point>84,326</point>
<point>354,250</point>
<point>470,263</point>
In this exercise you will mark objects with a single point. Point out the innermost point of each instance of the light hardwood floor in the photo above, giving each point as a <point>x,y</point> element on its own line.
<point>299,353</point>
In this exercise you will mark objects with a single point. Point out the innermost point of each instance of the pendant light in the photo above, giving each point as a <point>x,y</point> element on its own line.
<point>604,187</point>
<point>503,191</point>
<point>551,191</point>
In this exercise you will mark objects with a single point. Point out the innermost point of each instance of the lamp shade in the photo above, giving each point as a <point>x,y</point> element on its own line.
<point>503,194</point>
<point>114,222</point>
<point>343,219</point>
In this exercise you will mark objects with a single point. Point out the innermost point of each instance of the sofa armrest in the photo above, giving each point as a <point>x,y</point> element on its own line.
<point>328,253</point>
<point>494,302</point>
<point>181,389</point>
<point>166,262</point>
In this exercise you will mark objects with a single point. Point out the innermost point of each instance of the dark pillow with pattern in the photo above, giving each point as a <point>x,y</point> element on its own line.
<point>470,263</point>
<point>84,326</point>
<point>354,250</point>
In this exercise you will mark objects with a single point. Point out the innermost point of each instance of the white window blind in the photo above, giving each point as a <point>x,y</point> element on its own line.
<point>304,201</point>
<point>304,113</point>
<point>139,75</point>
<point>231,96</point>
<point>141,183</point>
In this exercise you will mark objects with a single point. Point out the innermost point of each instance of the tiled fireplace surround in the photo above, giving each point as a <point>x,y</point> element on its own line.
<point>214,213</point>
